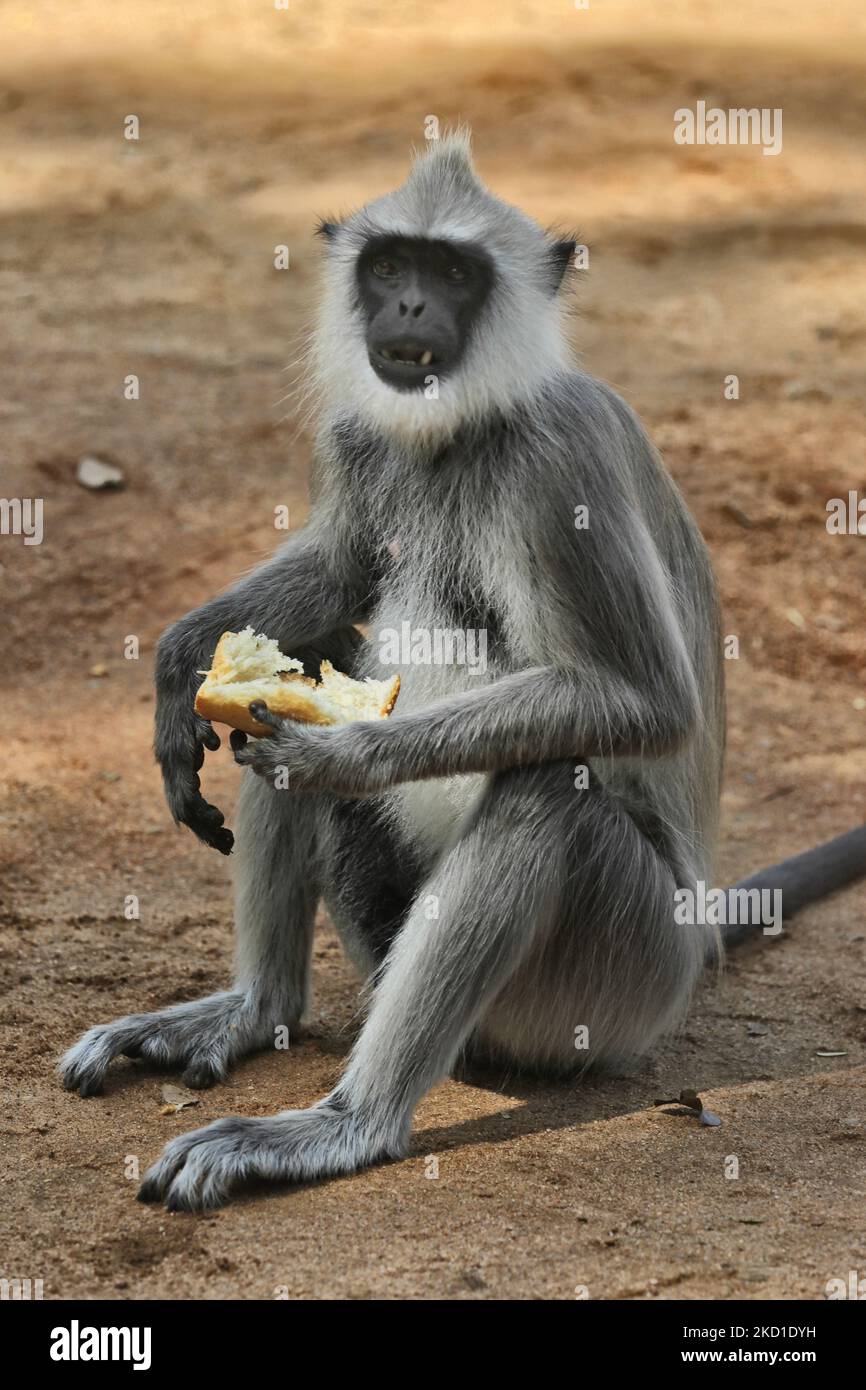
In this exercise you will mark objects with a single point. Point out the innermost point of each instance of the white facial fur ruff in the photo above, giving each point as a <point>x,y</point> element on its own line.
<point>519,340</point>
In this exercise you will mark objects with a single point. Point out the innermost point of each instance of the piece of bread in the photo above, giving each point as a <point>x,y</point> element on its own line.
<point>248,666</point>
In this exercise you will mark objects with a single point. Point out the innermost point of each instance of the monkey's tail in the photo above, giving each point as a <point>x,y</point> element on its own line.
<point>805,878</point>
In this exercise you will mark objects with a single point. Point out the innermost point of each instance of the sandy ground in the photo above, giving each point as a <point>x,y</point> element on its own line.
<point>155,258</point>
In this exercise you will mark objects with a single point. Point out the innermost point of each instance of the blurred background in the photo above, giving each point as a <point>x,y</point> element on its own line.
<point>155,258</point>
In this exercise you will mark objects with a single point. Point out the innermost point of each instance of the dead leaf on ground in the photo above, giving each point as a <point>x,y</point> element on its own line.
<point>689,1103</point>
<point>176,1098</point>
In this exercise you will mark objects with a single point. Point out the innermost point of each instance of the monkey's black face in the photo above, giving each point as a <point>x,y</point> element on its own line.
<point>420,300</point>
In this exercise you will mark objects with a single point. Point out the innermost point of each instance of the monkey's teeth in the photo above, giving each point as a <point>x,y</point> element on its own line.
<point>408,359</point>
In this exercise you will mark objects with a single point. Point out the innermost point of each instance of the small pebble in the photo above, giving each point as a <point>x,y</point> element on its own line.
<point>97,475</point>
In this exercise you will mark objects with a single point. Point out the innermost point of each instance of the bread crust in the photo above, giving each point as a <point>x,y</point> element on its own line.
<point>288,694</point>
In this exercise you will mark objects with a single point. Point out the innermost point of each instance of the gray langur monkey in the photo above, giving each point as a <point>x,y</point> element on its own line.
<point>497,900</point>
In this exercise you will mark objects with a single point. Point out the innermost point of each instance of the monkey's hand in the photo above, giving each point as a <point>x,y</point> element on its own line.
<point>298,757</point>
<point>181,739</point>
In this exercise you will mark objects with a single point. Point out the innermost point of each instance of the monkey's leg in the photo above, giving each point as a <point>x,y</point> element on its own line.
<point>276,893</point>
<point>370,877</point>
<point>498,890</point>
<point>617,970</point>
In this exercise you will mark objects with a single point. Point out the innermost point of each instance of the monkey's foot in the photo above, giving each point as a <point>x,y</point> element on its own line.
<point>203,1037</point>
<point>201,1170</point>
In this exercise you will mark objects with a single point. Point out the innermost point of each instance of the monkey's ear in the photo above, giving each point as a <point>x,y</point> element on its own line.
<point>327,229</point>
<point>561,253</point>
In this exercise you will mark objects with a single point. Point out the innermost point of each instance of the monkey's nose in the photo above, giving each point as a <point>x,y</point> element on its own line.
<point>415,310</point>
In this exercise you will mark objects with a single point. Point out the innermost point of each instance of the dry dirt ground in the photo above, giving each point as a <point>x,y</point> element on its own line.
<point>155,258</point>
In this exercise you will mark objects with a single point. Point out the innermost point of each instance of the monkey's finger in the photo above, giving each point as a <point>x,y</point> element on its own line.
<point>262,715</point>
<point>252,755</point>
<point>218,837</point>
<point>237,739</point>
<point>208,737</point>
<point>188,806</point>
<point>207,823</point>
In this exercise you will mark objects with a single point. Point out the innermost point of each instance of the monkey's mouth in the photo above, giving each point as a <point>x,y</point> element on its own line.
<point>405,366</point>
<point>419,357</point>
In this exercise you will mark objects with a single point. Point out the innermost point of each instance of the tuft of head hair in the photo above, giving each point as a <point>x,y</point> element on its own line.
<point>519,342</point>
<point>326,227</point>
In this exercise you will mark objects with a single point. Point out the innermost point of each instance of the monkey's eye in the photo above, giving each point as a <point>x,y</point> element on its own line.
<point>385,269</point>
<point>456,274</point>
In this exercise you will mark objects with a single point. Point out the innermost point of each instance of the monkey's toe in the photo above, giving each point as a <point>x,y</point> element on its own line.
<point>83,1067</point>
<point>148,1192</point>
<point>83,1082</point>
<point>197,1170</point>
<point>203,1169</point>
<point>201,1074</point>
<point>91,1086</point>
<point>201,1039</point>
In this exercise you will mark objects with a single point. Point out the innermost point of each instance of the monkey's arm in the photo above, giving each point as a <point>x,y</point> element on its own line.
<point>311,588</point>
<point>302,592</point>
<point>532,716</point>
<point>622,685</point>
